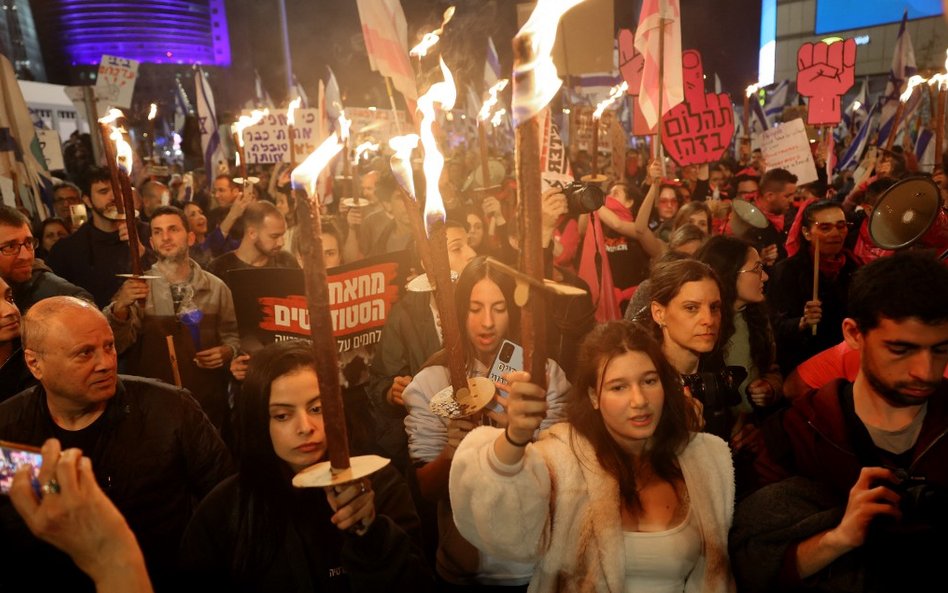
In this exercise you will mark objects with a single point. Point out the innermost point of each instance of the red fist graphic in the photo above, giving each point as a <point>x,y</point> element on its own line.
<point>824,73</point>
<point>631,61</point>
<point>699,129</point>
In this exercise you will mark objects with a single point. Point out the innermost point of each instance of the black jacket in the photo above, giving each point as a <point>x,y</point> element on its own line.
<point>156,455</point>
<point>314,555</point>
<point>14,375</point>
<point>43,283</point>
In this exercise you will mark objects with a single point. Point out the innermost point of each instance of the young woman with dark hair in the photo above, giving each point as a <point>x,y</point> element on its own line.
<point>487,316</point>
<point>256,532</point>
<point>747,338</point>
<point>624,495</point>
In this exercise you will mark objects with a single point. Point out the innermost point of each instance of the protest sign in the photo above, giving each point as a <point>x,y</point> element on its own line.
<point>268,141</point>
<point>554,166</point>
<point>825,72</point>
<point>699,129</point>
<point>52,149</point>
<point>115,82</point>
<point>377,124</point>
<point>271,302</point>
<point>788,147</point>
<point>581,137</point>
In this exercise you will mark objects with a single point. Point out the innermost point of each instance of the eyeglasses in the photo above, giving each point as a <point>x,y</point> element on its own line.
<point>13,248</point>
<point>825,227</point>
<point>757,269</point>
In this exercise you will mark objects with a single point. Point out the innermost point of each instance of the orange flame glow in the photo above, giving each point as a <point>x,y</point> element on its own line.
<point>123,150</point>
<point>616,92</point>
<point>749,91</point>
<point>291,110</point>
<point>430,39</point>
<point>536,81</point>
<point>110,117</point>
<point>913,82</point>
<point>152,111</point>
<point>245,121</point>
<point>498,117</point>
<point>484,113</point>
<point>307,173</point>
<point>401,161</point>
<point>444,93</point>
<point>362,151</point>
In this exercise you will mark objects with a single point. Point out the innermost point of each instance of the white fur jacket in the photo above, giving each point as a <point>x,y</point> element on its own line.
<point>562,510</point>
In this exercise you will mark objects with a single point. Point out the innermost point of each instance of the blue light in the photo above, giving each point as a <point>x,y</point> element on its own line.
<point>192,31</point>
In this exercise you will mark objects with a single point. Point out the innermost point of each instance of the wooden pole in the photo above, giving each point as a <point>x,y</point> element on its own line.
<point>527,142</point>
<point>941,94</point>
<point>895,126</point>
<point>325,349</point>
<point>391,100</point>
<point>173,358</point>
<point>595,146</point>
<point>816,273</point>
<point>485,162</point>
<point>661,88</point>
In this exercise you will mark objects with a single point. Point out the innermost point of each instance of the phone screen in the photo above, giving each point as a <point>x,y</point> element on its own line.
<point>12,457</point>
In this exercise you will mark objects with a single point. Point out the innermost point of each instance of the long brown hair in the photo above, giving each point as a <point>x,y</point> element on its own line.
<point>601,346</point>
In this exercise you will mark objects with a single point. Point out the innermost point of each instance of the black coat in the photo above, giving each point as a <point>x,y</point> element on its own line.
<point>314,554</point>
<point>156,455</point>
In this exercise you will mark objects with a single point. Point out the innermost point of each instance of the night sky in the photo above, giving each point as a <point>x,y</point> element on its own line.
<point>328,32</point>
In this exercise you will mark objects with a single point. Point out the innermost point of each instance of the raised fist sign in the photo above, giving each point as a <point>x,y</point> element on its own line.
<point>824,73</point>
<point>699,129</point>
<point>631,61</point>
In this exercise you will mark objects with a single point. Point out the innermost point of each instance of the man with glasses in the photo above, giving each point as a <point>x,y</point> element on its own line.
<point>29,277</point>
<point>65,196</point>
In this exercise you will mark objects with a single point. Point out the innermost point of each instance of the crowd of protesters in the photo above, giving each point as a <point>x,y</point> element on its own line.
<point>710,420</point>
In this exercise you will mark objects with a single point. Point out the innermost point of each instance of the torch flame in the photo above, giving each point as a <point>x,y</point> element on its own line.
<point>856,106</point>
<point>123,150</point>
<point>750,90</point>
<point>291,110</point>
<point>403,145</point>
<point>913,82</point>
<point>444,93</point>
<point>245,121</point>
<point>536,80</point>
<point>364,149</point>
<point>152,111</point>
<point>616,92</point>
<point>429,40</point>
<point>110,117</point>
<point>484,113</point>
<point>307,173</point>
<point>498,117</point>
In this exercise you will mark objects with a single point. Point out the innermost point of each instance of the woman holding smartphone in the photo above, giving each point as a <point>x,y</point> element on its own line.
<point>256,532</point>
<point>487,316</point>
<point>624,496</point>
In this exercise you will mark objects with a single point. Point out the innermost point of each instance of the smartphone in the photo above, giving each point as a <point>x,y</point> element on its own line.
<point>12,457</point>
<point>78,214</point>
<point>509,358</point>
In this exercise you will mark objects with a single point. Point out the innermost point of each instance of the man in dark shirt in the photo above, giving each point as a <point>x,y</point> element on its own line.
<point>154,452</point>
<point>261,245</point>
<point>97,252</point>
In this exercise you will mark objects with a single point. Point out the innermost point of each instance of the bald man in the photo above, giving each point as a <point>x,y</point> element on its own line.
<point>154,451</point>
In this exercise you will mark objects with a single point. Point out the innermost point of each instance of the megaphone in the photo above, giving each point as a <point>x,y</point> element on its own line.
<point>745,217</point>
<point>906,212</point>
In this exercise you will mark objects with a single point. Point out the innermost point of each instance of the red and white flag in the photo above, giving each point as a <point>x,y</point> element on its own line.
<point>657,15</point>
<point>386,41</point>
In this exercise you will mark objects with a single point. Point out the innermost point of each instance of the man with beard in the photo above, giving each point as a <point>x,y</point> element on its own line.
<point>261,245</point>
<point>30,279</point>
<point>856,474</point>
<point>185,302</point>
<point>94,255</point>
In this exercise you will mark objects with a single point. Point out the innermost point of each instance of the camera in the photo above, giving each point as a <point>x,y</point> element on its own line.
<point>583,198</point>
<point>920,501</point>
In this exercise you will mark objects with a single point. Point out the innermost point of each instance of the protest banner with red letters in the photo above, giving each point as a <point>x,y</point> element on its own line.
<point>115,81</point>
<point>699,129</point>
<point>271,302</point>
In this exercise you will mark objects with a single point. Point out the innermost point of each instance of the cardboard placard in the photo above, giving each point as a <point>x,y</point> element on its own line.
<point>699,129</point>
<point>52,148</point>
<point>268,141</point>
<point>271,302</point>
<point>378,124</point>
<point>825,72</point>
<point>786,146</point>
<point>115,82</point>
